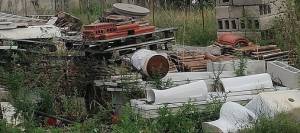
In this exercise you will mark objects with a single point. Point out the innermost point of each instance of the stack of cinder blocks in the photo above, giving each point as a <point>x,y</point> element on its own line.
<point>249,18</point>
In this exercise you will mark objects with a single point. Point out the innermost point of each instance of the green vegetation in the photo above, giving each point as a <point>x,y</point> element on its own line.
<point>282,123</point>
<point>188,119</point>
<point>240,68</point>
<point>195,26</point>
<point>189,23</point>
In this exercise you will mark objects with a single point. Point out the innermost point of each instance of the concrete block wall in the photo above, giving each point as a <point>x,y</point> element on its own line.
<point>284,74</point>
<point>248,16</point>
<point>237,2</point>
<point>236,11</point>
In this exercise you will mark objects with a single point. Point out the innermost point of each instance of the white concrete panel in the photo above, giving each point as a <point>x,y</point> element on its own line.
<point>247,34</point>
<point>233,117</point>
<point>247,83</point>
<point>253,66</point>
<point>195,76</point>
<point>284,74</point>
<point>32,32</point>
<point>237,11</point>
<point>271,103</point>
<point>196,91</point>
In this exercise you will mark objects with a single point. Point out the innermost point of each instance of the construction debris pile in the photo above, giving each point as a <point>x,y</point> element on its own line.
<point>191,61</point>
<point>123,20</point>
<point>156,75</point>
<point>234,43</point>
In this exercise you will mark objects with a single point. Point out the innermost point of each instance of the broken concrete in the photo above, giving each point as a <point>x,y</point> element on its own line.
<point>272,103</point>
<point>32,32</point>
<point>247,83</point>
<point>233,117</point>
<point>284,74</point>
<point>195,92</point>
<point>253,66</point>
<point>188,77</point>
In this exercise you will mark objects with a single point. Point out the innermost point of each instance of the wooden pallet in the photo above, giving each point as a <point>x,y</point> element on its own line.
<point>149,40</point>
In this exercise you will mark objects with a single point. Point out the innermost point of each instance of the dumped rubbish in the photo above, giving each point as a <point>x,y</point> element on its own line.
<point>233,117</point>
<point>67,22</point>
<point>194,92</point>
<point>31,32</point>
<point>284,74</point>
<point>150,63</point>
<point>4,17</point>
<point>192,61</point>
<point>272,103</point>
<point>232,40</point>
<point>247,85</point>
<point>231,44</point>
<point>130,10</point>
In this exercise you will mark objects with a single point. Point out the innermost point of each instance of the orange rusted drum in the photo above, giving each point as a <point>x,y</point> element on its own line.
<point>150,63</point>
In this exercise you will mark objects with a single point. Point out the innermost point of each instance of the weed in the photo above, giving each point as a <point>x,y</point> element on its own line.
<point>240,68</point>
<point>189,24</point>
<point>187,119</point>
<point>281,123</point>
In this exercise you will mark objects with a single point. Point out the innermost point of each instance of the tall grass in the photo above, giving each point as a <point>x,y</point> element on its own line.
<point>282,123</point>
<point>189,24</point>
<point>189,21</point>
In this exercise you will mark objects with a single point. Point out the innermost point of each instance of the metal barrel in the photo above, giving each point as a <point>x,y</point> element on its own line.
<point>150,63</point>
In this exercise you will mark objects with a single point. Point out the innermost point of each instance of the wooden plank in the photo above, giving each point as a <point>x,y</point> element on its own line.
<point>141,44</point>
<point>99,42</point>
<point>266,52</point>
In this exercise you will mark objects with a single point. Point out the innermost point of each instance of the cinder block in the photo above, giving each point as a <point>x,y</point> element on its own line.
<point>284,74</point>
<point>253,66</point>
<point>237,11</point>
<point>238,2</point>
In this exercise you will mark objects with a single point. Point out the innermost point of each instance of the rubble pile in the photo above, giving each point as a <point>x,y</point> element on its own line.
<point>268,53</point>
<point>191,61</point>
<point>231,44</point>
<point>122,21</point>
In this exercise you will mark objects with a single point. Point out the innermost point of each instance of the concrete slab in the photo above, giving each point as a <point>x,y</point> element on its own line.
<point>284,74</point>
<point>253,66</point>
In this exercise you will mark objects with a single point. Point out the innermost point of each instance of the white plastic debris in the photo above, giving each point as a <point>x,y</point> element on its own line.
<point>271,103</point>
<point>9,113</point>
<point>247,83</point>
<point>233,117</point>
<point>150,62</point>
<point>196,91</point>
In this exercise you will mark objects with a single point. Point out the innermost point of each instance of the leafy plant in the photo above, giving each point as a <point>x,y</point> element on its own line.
<point>240,68</point>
